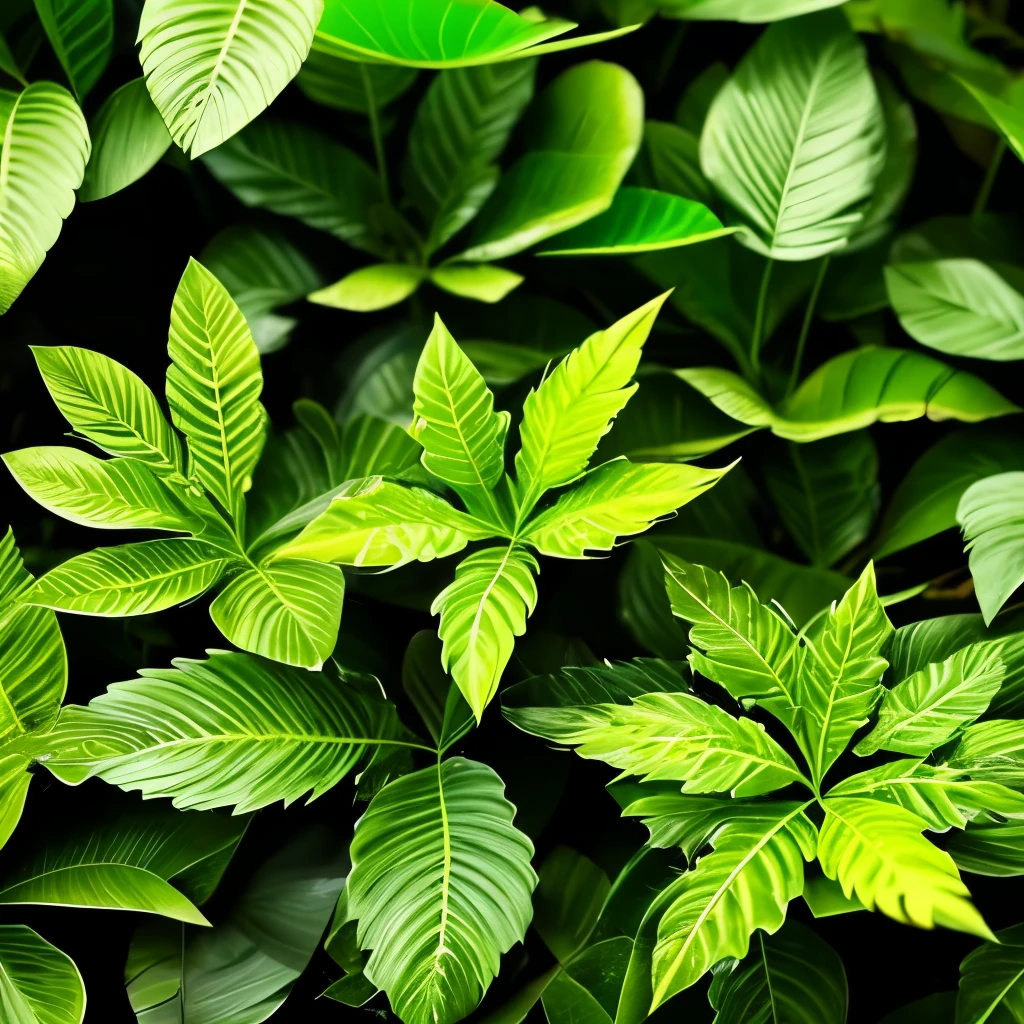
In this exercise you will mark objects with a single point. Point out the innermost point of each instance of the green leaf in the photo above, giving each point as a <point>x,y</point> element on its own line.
<point>38,983</point>
<point>852,391</point>
<point>446,34</point>
<point>1007,117</point>
<point>618,499</point>
<point>436,856</point>
<point>639,220</point>
<point>571,892</point>
<point>340,83</point>
<point>213,387</point>
<point>824,898</point>
<point>211,71</point>
<point>745,883</point>
<point>992,849</point>
<point>131,579</point>
<point>82,36</point>
<point>45,150</point>
<point>573,408</point>
<point>876,851</point>
<point>927,708</point>
<point>795,140</point>
<point>287,168</point>
<point>992,751</point>
<point>934,1009</point>
<point>992,980</point>
<point>288,610</point>
<point>367,289</point>
<point>385,524</point>
<point>482,611</point>
<point>580,137</point>
<point>108,493</point>
<point>231,731</point>
<point>588,987</point>
<point>485,282</point>
<point>756,11</point>
<point>791,976</point>
<point>669,161</point>
<point>110,405</point>
<point>990,513</point>
<point>14,783</point>
<point>926,499</point>
<point>961,307</point>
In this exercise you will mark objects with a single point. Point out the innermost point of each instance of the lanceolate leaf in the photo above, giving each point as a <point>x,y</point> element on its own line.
<point>482,612</point>
<point>45,150</point>
<point>38,983</point>
<point>437,860</point>
<point>756,11</point>
<point>231,731</point>
<point>212,68</point>
<point>81,33</point>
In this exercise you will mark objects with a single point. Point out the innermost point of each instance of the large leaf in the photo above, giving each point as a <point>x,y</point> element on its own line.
<point>287,168</point>
<point>440,886</point>
<point>568,414</point>
<point>212,67</point>
<point>81,33</point>
<point>580,138</point>
<point>615,500</point>
<point>38,983</point>
<point>288,610</point>
<point>854,390</point>
<point>962,307</point>
<point>795,139</point>
<point>878,854</point>
<point>990,513</point>
<point>45,150</point>
<point>482,611</point>
<point>213,387</point>
<point>992,751</point>
<point>131,579</point>
<point>992,980</point>
<point>231,731</point>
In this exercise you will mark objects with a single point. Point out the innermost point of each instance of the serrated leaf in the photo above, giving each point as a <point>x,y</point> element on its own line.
<point>38,983</point>
<point>436,857</point>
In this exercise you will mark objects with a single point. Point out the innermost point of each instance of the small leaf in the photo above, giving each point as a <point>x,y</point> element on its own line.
<point>38,983</point>
<point>485,282</point>
<point>377,286</point>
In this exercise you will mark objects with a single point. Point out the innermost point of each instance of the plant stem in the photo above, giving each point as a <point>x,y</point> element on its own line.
<point>378,140</point>
<point>805,327</point>
<point>759,317</point>
<point>990,177</point>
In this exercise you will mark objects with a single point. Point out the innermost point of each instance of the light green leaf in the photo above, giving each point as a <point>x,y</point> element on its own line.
<point>340,83</point>
<point>14,783</point>
<point>618,499</point>
<point>447,34</point>
<point>212,70</point>
<point>45,150</point>
<point>580,137</point>
<point>288,610</point>
<point>571,892</point>
<point>990,513</point>
<point>81,33</point>
<point>924,710</point>
<point>110,405</point>
<point>876,851</point>
<point>482,611</point>
<point>755,11</point>
<point>385,524</point>
<point>824,898</point>
<point>639,220</point>
<point>377,286</point>
<point>961,307</point>
<point>38,983</point>
<point>992,751</point>
<point>745,883</point>
<point>213,387</point>
<point>588,987</point>
<point>852,391</point>
<point>231,731</point>
<point>292,170</point>
<point>795,140</point>
<point>573,408</point>
<point>131,579</point>
<point>992,980</point>
<point>437,857</point>
<point>108,493</point>
<point>485,282</point>
<point>1008,118</point>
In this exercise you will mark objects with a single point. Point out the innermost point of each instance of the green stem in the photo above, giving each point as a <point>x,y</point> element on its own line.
<point>990,178</point>
<point>805,327</point>
<point>378,140</point>
<point>759,317</point>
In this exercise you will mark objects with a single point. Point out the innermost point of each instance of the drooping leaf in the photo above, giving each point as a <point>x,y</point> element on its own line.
<point>45,150</point>
<point>571,892</point>
<point>211,69</point>
<point>352,85</point>
<point>992,980</point>
<point>367,289</point>
<point>437,858</point>
<point>81,33</point>
<point>38,983</point>
<point>796,139</point>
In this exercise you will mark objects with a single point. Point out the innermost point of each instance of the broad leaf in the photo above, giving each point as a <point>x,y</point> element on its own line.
<point>45,150</point>
<point>213,387</point>
<point>231,731</point>
<point>128,138</point>
<point>288,610</point>
<point>38,983</point>
<point>795,139</point>
<point>876,851</point>
<point>615,500</point>
<point>992,849</point>
<point>81,33</point>
<point>212,69</point>
<point>367,289</point>
<point>482,611</point>
<point>131,579</point>
<point>992,980</point>
<point>437,860</point>
<point>991,751</point>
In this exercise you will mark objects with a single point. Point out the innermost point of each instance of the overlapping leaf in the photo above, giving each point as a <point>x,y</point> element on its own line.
<point>38,983</point>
